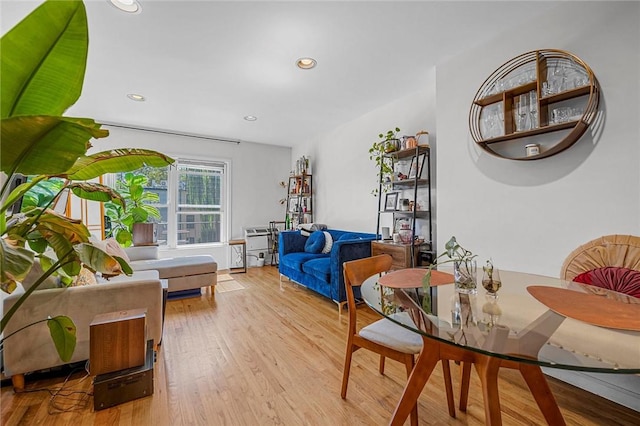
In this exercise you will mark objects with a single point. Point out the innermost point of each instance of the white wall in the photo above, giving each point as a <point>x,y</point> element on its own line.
<point>255,171</point>
<point>529,215</point>
<point>525,215</point>
<point>344,176</point>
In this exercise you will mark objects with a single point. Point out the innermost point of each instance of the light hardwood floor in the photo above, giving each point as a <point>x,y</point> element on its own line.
<point>256,355</point>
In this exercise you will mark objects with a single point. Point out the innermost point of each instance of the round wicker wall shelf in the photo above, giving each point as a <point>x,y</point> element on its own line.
<point>534,106</point>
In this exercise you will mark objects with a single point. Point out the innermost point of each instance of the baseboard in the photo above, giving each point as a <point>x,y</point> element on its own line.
<point>623,389</point>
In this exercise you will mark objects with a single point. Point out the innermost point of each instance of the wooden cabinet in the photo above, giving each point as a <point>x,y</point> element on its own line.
<point>544,99</point>
<point>299,206</point>
<point>400,253</point>
<point>405,206</point>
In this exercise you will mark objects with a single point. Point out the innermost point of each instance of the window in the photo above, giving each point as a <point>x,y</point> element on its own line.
<point>199,218</point>
<point>196,192</point>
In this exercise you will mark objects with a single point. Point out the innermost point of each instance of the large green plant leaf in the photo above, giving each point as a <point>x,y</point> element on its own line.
<point>117,160</point>
<point>63,333</point>
<point>34,145</point>
<point>43,60</point>
<point>152,211</point>
<point>20,191</point>
<point>100,261</point>
<point>15,263</point>
<point>139,215</point>
<point>96,192</point>
<point>72,230</point>
<point>65,253</point>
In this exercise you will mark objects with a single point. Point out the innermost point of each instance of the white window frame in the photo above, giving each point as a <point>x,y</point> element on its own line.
<point>172,219</point>
<point>172,205</point>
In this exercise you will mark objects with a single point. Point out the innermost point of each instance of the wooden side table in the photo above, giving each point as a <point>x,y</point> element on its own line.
<point>239,247</point>
<point>400,253</point>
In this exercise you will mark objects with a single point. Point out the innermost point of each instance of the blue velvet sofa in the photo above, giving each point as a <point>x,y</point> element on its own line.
<point>321,272</point>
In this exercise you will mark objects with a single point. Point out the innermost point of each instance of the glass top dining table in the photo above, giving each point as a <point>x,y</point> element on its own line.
<point>535,321</point>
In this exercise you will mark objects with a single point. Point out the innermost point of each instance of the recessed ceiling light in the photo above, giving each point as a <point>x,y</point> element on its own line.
<point>136,97</point>
<point>129,6</point>
<point>306,63</point>
<point>250,117</point>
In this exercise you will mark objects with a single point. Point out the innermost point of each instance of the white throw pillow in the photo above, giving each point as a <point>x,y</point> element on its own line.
<point>328,242</point>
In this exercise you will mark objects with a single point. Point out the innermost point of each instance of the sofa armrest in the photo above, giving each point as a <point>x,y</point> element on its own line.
<point>290,242</point>
<point>344,251</point>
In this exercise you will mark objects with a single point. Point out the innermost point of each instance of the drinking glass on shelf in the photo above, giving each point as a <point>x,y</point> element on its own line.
<point>489,125</point>
<point>559,78</point>
<point>533,109</point>
<point>521,113</point>
<point>500,124</point>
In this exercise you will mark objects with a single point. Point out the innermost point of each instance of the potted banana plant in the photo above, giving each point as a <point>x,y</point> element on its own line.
<point>51,44</point>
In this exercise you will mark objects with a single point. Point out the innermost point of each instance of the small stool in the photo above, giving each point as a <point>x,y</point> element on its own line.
<point>243,247</point>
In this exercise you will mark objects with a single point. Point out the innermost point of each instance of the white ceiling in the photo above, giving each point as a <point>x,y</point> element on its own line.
<point>204,65</point>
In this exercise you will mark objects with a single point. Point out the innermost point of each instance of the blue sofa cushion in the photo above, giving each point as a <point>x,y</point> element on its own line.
<point>315,242</point>
<point>351,236</point>
<point>319,268</point>
<point>296,260</point>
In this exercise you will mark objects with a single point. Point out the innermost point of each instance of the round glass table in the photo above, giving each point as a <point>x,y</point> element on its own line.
<point>535,321</point>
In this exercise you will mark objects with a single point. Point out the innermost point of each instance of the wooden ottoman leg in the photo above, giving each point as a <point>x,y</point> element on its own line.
<point>18,382</point>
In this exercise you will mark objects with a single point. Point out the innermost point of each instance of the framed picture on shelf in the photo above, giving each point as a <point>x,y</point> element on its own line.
<point>390,201</point>
<point>417,163</point>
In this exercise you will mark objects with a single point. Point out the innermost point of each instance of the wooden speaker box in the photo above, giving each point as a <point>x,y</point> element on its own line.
<point>117,341</point>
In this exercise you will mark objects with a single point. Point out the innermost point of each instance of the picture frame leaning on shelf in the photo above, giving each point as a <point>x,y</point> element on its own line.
<point>417,164</point>
<point>390,201</point>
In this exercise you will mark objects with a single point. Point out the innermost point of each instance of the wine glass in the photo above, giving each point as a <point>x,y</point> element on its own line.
<point>491,280</point>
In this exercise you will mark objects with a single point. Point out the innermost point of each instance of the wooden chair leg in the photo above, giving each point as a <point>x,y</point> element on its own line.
<point>465,378</point>
<point>446,372</point>
<point>347,369</point>
<point>381,367</point>
<point>18,382</point>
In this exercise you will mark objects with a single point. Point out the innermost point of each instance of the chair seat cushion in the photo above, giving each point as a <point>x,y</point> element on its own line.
<point>392,335</point>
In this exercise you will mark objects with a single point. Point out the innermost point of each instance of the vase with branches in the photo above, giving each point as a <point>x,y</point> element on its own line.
<point>464,269</point>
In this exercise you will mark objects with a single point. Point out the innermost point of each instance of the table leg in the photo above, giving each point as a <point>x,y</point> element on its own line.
<point>427,361</point>
<point>487,368</point>
<point>465,378</point>
<point>541,392</point>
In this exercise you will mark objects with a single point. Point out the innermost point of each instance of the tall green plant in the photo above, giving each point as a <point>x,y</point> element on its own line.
<point>42,67</point>
<point>137,207</point>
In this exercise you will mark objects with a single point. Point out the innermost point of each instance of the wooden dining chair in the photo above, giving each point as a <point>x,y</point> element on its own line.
<point>383,337</point>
